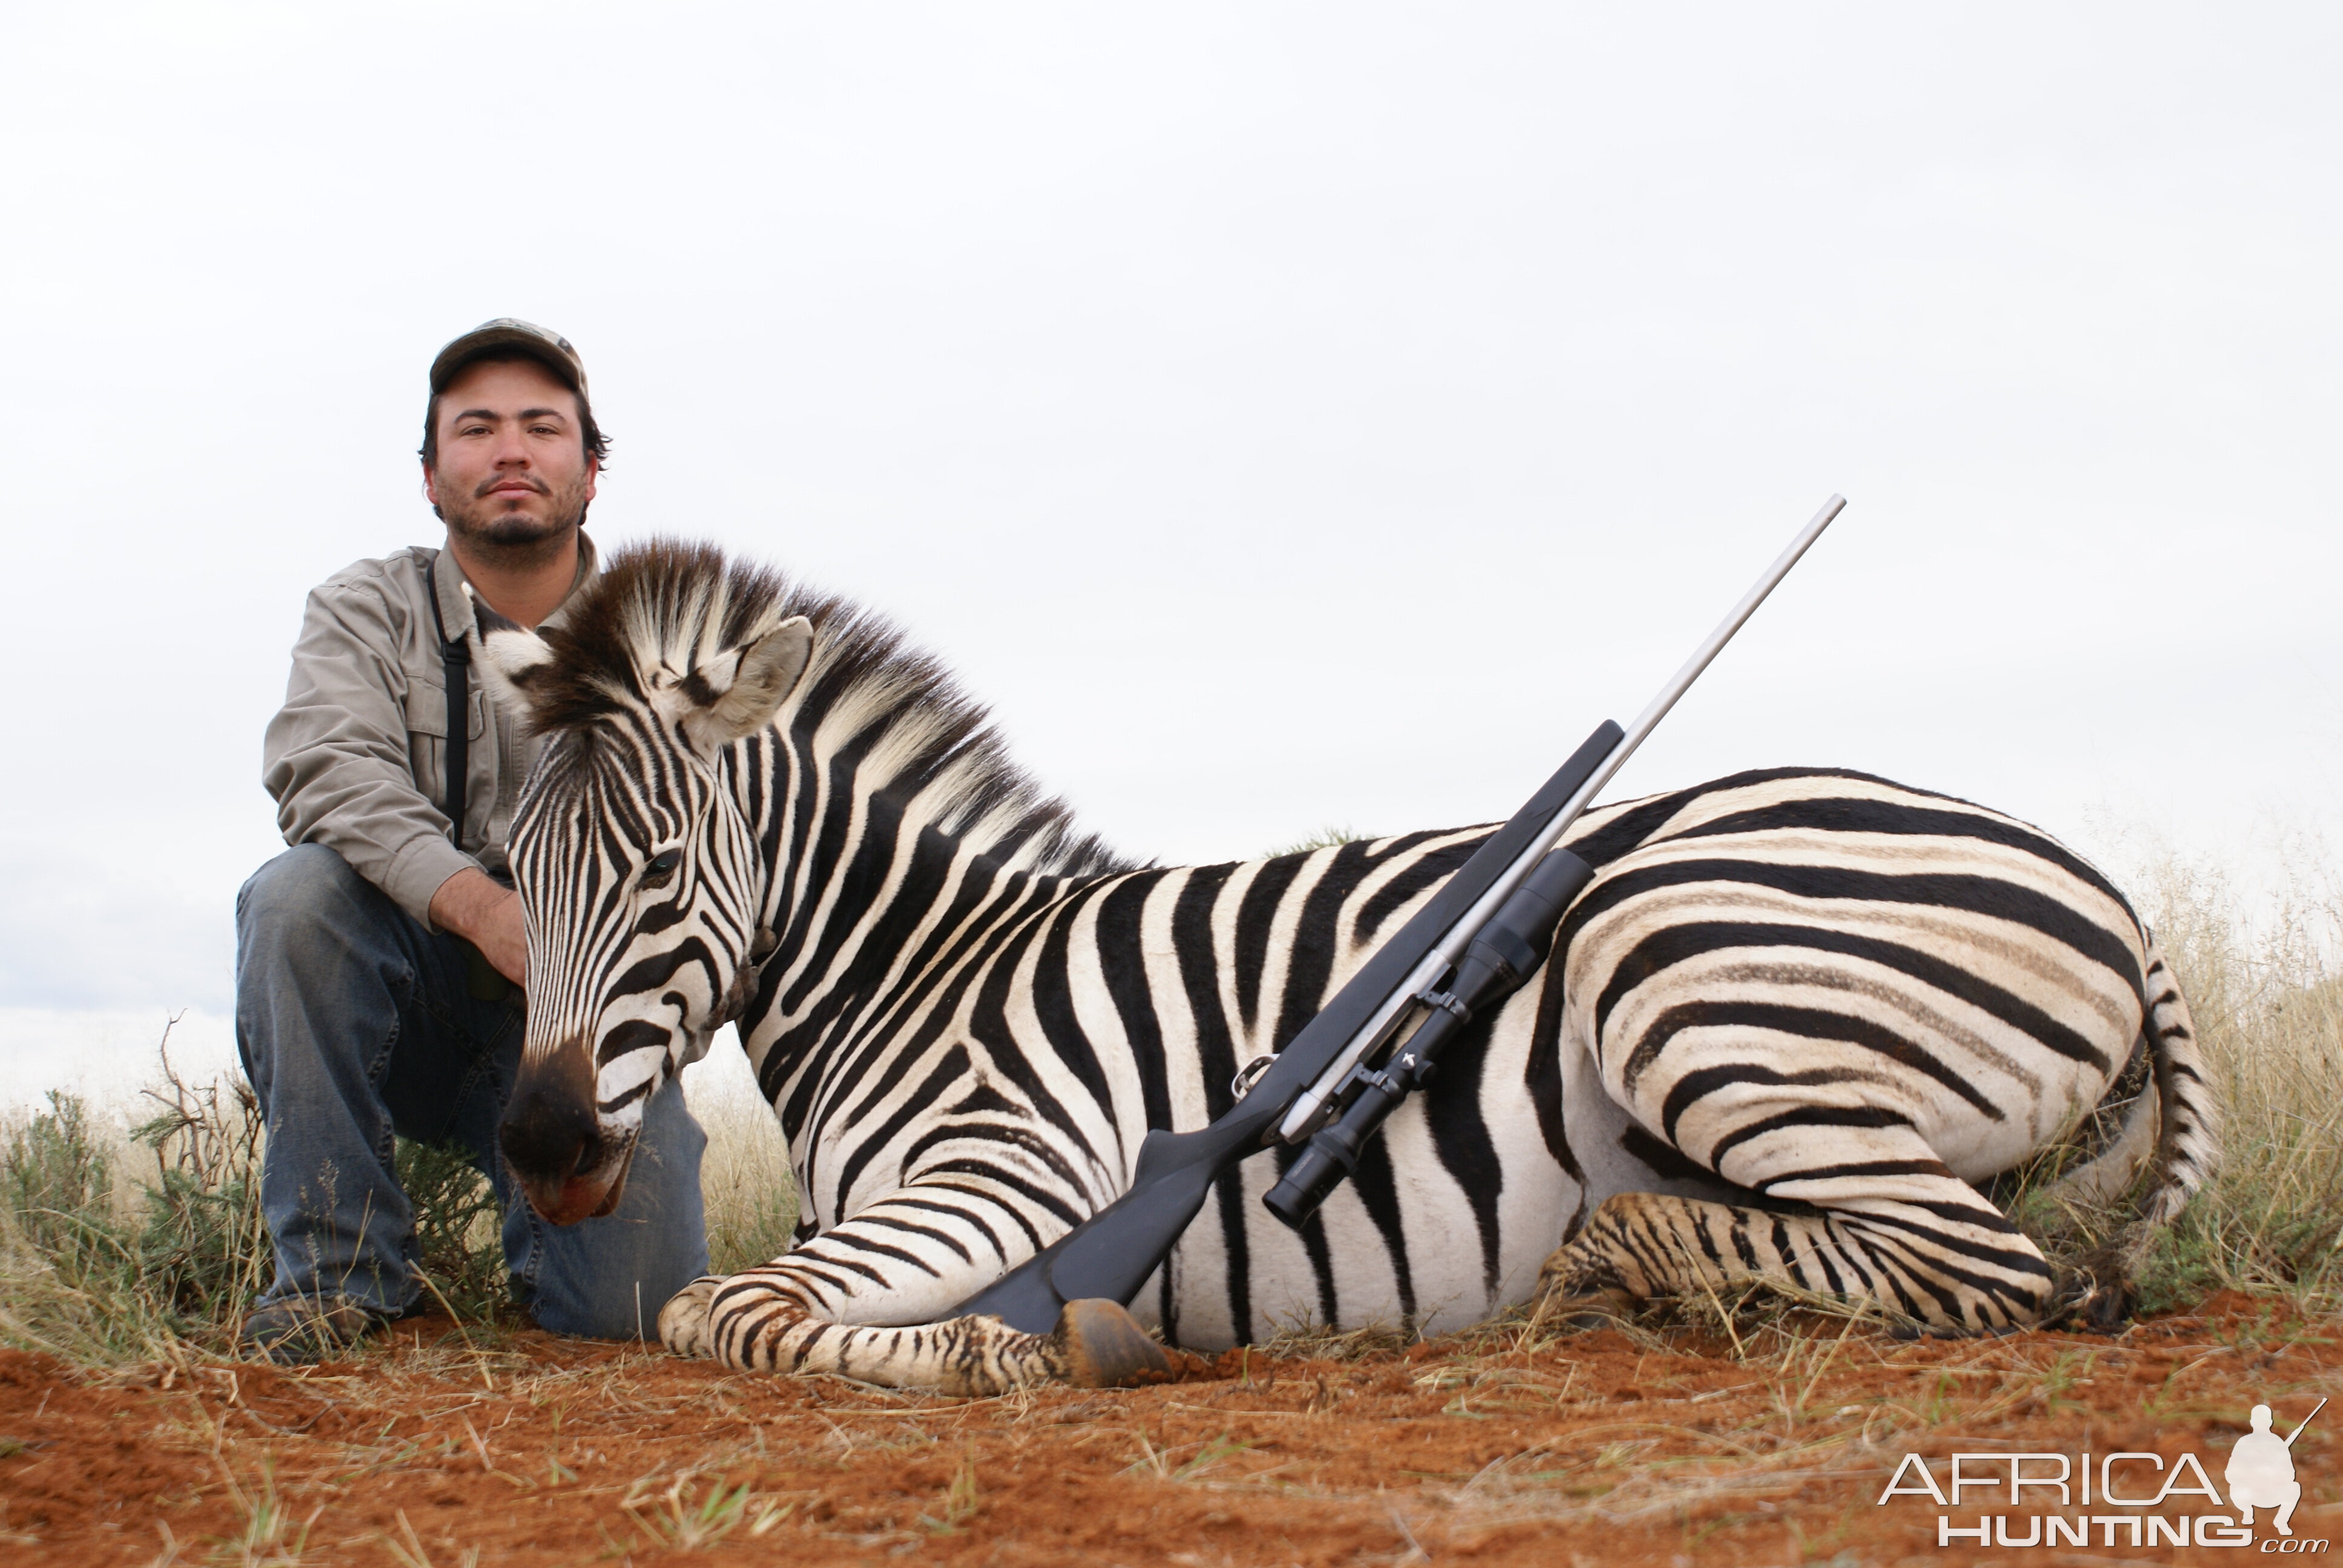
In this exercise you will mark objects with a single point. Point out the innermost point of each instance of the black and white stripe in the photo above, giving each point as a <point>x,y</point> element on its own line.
<point>1804,994</point>
<point>1821,1008</point>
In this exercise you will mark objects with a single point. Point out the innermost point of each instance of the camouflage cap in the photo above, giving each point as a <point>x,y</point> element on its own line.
<point>509,333</point>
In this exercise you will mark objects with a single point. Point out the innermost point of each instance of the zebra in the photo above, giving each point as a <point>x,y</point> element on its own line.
<point>1798,1017</point>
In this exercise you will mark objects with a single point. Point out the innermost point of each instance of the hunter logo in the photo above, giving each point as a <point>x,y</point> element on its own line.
<point>2261,1471</point>
<point>2141,1501</point>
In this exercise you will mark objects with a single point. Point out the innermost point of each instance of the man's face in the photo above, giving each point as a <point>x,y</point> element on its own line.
<point>512,470</point>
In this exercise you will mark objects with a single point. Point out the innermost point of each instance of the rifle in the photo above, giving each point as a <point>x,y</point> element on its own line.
<point>1485,931</point>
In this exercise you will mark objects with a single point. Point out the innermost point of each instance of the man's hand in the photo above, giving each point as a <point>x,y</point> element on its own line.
<point>487,915</point>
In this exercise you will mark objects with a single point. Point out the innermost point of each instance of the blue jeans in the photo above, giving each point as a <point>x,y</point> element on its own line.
<point>355,1022</point>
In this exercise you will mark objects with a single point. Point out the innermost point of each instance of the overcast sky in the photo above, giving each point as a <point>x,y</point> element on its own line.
<point>1285,415</point>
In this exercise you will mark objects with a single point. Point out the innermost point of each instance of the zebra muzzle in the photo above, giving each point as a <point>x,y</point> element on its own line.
<point>553,1142</point>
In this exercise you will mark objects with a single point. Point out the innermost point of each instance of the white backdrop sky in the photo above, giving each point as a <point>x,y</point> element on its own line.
<point>1285,415</point>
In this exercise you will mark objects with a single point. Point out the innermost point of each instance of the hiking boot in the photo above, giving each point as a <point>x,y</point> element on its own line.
<point>299,1330</point>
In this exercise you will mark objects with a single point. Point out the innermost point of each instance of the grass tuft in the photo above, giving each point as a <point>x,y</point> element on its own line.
<point>70,1275</point>
<point>204,1247</point>
<point>2268,1004</point>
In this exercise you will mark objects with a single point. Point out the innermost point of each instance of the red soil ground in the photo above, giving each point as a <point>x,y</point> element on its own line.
<point>1617,1447</point>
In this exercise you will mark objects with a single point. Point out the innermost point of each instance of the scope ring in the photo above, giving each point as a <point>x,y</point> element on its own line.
<point>1446,1001</point>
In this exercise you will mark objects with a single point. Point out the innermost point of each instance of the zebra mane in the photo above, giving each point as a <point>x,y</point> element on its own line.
<point>676,605</point>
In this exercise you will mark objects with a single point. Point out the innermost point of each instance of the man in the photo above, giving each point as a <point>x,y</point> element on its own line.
<point>380,961</point>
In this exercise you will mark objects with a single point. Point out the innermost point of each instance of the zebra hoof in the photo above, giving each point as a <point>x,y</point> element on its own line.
<point>1913,1331</point>
<point>683,1322</point>
<point>1104,1347</point>
<point>2095,1299</point>
<point>1598,1309</point>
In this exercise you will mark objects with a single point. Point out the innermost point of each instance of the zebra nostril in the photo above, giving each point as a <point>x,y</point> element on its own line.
<point>545,1140</point>
<point>550,1129</point>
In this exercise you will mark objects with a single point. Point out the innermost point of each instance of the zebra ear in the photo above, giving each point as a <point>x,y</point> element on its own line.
<point>742,699</point>
<point>513,663</point>
<point>512,657</point>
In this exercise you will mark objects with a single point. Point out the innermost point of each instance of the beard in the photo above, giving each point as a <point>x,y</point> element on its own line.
<point>517,540</point>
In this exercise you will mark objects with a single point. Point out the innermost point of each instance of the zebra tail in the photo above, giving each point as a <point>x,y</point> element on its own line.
<point>2188,1132</point>
<point>2100,1292</point>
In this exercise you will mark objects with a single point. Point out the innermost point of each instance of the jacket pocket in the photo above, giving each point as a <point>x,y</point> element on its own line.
<point>427,710</point>
<point>426,746</point>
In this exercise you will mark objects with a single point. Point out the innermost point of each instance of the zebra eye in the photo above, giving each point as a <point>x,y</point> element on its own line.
<point>662,867</point>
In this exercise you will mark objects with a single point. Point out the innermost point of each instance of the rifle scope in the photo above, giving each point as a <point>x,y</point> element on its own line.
<point>1505,953</point>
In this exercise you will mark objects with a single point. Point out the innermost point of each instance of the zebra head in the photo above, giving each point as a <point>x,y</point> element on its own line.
<point>639,873</point>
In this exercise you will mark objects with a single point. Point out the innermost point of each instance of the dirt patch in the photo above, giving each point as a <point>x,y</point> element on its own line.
<point>1617,1447</point>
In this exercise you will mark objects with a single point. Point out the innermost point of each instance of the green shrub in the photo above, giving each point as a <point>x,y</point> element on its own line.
<point>458,1231</point>
<point>56,1180</point>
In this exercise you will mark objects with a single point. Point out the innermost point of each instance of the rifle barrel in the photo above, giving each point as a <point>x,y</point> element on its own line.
<point>1682,682</point>
<point>1302,1119</point>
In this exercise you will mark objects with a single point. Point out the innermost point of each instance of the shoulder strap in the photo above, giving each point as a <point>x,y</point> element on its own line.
<point>457,664</point>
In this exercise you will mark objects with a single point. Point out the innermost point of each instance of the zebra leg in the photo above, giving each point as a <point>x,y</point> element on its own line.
<point>1886,1222</point>
<point>864,1299</point>
<point>752,1322</point>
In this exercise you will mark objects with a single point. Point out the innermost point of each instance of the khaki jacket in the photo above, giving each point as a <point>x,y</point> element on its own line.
<point>354,760</point>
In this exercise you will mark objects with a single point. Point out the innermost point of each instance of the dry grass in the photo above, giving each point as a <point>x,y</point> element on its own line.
<point>2268,1003</point>
<point>744,1178</point>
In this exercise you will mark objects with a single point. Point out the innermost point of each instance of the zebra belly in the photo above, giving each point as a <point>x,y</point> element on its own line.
<point>1283,1288</point>
<point>1433,1248</point>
